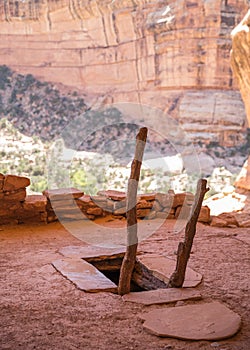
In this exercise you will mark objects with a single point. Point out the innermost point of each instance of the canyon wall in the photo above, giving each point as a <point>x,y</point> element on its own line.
<point>240,61</point>
<point>169,54</point>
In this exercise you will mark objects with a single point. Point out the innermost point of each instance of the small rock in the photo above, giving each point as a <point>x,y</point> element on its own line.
<point>112,194</point>
<point>95,211</point>
<point>217,222</point>
<point>204,215</point>
<point>180,303</point>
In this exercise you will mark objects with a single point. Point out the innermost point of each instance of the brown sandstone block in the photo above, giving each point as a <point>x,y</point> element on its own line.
<point>141,213</point>
<point>68,204</point>
<point>10,206</point>
<point>157,206</point>
<point>166,200</point>
<point>119,204</point>
<point>181,198</point>
<point>204,215</point>
<point>217,222</point>
<point>1,182</point>
<point>146,196</point>
<point>143,204</point>
<point>112,194</point>
<point>18,195</point>
<point>120,211</point>
<point>35,203</point>
<point>84,202</point>
<point>8,221</point>
<point>63,194</point>
<point>230,218</point>
<point>13,183</point>
<point>6,213</point>
<point>95,211</point>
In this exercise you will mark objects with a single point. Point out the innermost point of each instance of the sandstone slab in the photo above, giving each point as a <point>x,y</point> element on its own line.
<point>90,251</point>
<point>14,183</point>
<point>144,204</point>
<point>209,321</point>
<point>180,199</point>
<point>146,196</point>
<point>84,275</point>
<point>165,200</point>
<point>229,218</point>
<point>162,268</point>
<point>95,211</point>
<point>162,296</point>
<point>63,194</point>
<point>35,202</point>
<point>15,196</point>
<point>120,211</point>
<point>112,194</point>
<point>141,213</point>
<point>85,201</point>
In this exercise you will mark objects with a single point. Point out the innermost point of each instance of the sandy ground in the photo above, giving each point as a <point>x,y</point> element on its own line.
<point>40,309</point>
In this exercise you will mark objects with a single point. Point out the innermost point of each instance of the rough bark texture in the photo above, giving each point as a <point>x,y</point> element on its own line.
<point>184,248</point>
<point>132,239</point>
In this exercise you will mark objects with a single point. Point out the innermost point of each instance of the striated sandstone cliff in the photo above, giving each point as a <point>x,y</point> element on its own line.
<point>240,59</point>
<point>160,53</point>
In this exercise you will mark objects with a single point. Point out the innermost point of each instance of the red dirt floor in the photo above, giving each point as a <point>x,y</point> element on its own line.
<point>40,309</point>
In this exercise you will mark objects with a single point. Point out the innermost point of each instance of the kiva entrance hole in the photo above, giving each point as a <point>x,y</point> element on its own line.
<point>142,279</point>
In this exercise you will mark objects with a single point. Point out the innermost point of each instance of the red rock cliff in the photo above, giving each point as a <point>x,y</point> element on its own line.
<point>153,52</point>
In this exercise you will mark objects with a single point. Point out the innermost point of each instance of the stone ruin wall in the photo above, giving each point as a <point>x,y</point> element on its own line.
<point>71,204</point>
<point>173,55</point>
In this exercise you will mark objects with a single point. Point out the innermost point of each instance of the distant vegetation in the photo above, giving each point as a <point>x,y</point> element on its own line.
<point>38,110</point>
<point>35,107</point>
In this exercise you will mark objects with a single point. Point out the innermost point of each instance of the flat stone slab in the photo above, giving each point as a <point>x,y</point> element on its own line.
<point>162,296</point>
<point>113,194</point>
<point>63,194</point>
<point>84,275</point>
<point>162,268</point>
<point>90,251</point>
<point>209,321</point>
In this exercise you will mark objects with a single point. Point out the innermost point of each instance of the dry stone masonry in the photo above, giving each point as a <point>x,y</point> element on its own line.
<point>16,207</point>
<point>72,204</point>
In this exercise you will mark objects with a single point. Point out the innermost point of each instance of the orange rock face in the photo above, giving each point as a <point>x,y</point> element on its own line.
<point>155,53</point>
<point>240,59</point>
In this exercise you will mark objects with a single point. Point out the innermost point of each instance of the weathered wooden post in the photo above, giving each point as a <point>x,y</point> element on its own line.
<point>184,249</point>
<point>132,239</point>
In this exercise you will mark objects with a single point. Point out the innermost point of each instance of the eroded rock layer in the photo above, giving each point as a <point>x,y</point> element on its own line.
<point>240,59</point>
<point>152,52</point>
